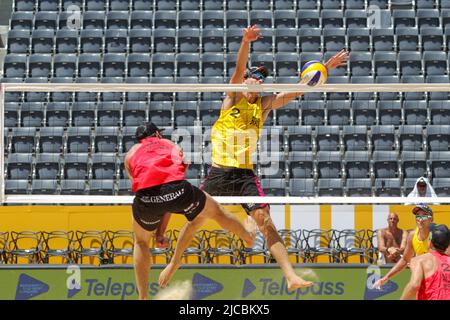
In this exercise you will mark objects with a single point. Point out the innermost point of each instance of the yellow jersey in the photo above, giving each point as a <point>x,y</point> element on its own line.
<point>235,134</point>
<point>420,247</point>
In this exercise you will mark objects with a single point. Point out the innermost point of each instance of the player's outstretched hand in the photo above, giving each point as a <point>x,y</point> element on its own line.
<point>338,60</point>
<point>251,34</point>
<point>162,242</point>
<point>380,283</point>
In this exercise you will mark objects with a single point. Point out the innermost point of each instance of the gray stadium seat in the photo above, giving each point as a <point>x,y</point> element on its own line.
<point>38,96</point>
<point>67,20</point>
<point>289,114</point>
<point>383,137</point>
<point>411,96</point>
<point>138,65</point>
<point>108,113</point>
<point>265,59</point>
<point>11,114</point>
<point>209,112</point>
<point>32,114</point>
<point>355,4</point>
<point>359,187</point>
<point>442,186</point>
<point>76,166</point>
<point>24,5</point>
<point>385,164</point>
<point>213,19</point>
<point>18,41</point>
<point>415,112</point>
<point>89,65</point>
<point>387,188</point>
<point>262,18</point>
<point>359,39</point>
<point>136,96</point>
<point>103,165</point>
<point>66,41</point>
<point>195,5</point>
<point>390,112</point>
<point>334,39</point>
<point>265,44</point>
<point>44,187</point>
<point>435,63</point>
<point>285,40</point>
<point>39,65</point>
<point>385,63</point>
<point>86,96</point>
<point>83,114</point>
<point>308,19</point>
<point>357,164</point>
<point>437,95</point>
<point>259,4</point>
<point>410,63</point>
<point>286,64</point>
<point>332,18</point>
<point>340,80</point>
<point>189,40</point>
<point>301,164</point>
<point>407,39</point>
<point>212,64</point>
<point>140,40</point>
<point>101,187</point>
<point>284,19</point>
<point>432,39</point>
<point>213,40</point>
<point>313,113</point>
<point>166,5</point>
<point>15,66</point>
<point>302,187</point>
<point>310,40</point>
<point>162,96</point>
<point>428,18</point>
<point>73,187</point>
<point>188,20</point>
<point>45,20</point>
<point>408,185</point>
<point>16,186</point>
<point>141,20</point>
<point>91,5</point>
<point>94,20</point>
<point>237,4</point>
<point>328,138</point>
<point>236,19</point>
<point>116,41</point>
<point>329,187</point>
<point>62,96</point>
<point>119,4</point>
<point>230,63</point>
<point>404,18</point>
<point>329,164</point>
<point>51,140</point>
<point>300,138</point>
<point>438,137</point>
<point>274,187</point>
<point>187,96</point>
<point>383,39</point>
<point>414,164</point>
<point>186,113</point>
<point>356,19</point>
<point>134,113</point>
<point>411,138</point>
<point>114,65</point>
<point>188,64</point>
<point>78,139</point>
<point>47,166</point>
<point>91,41</point>
<point>21,21</point>
<point>117,20</point>
<point>128,138</point>
<point>355,138</point>
<point>124,187</point>
<point>160,113</point>
<point>367,96</point>
<point>164,40</point>
<point>64,65</point>
<point>388,95</point>
<point>19,166</point>
<point>23,140</point>
<point>439,164</point>
<point>439,112</point>
<point>307,4</point>
<point>163,65</point>
<point>165,19</point>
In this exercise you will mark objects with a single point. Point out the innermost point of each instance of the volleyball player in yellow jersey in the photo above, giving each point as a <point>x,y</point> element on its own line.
<point>234,137</point>
<point>416,244</point>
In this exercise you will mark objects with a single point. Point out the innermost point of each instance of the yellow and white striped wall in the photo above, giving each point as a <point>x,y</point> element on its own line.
<point>50,218</point>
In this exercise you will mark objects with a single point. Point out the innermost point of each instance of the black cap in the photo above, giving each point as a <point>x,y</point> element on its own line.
<point>260,72</point>
<point>440,236</point>
<point>422,207</point>
<point>145,130</point>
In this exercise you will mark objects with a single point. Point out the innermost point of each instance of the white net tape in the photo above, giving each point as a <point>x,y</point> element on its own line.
<point>172,87</point>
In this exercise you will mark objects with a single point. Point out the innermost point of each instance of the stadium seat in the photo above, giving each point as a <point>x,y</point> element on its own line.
<point>404,19</point>
<point>310,40</point>
<point>164,40</point>
<point>329,164</point>
<point>334,39</point>
<point>387,188</point>
<point>428,18</point>
<point>332,18</point>
<point>32,114</point>
<point>265,44</point>
<point>230,63</point>
<point>355,138</point>
<point>412,96</point>
<point>101,187</point>
<point>286,64</point>
<point>141,20</point>
<point>390,112</point>
<point>166,19</point>
<point>116,41</point>
<point>64,65</point>
<point>383,137</point>
<point>284,19</point>
<point>301,165</point>
<point>274,187</point>
<point>24,5</point>
<point>160,113</point>
<point>262,18</point>
<point>439,164</point>
<point>134,113</point>
<point>357,164</point>
<point>302,187</point>
<point>45,20</point>
<point>103,165</point>
<point>138,65</point>
<point>18,41</point>
<point>213,19</point>
<point>330,188</point>
<point>209,112</point>
<point>19,166</point>
<point>383,39</point>
<point>73,187</point>
<point>338,113</point>
<point>432,39</point>
<point>265,59</point>
<point>117,20</point>
<point>407,39</point>
<point>288,115</point>
<point>188,64</point>
<point>124,187</point>
<point>166,5</point>
<point>435,63</point>
<point>285,40</point>
<point>388,95</point>
<point>91,41</point>
<point>415,112</point>
<point>39,65</point>
<point>15,66</point>
<point>328,138</point>
<point>62,96</point>
<point>313,113</point>
<point>66,41</point>
<point>21,21</point>
<point>51,139</point>
<point>437,95</point>
<point>89,65</point>
<point>11,114</point>
<point>385,63</point>
<point>94,20</point>
<point>47,166</point>
<point>92,5</point>
<point>16,186</point>
<point>163,65</point>
<point>385,164</point>
<point>185,113</point>
<point>355,4</point>
<point>414,164</point>
<point>69,20</point>
<point>23,140</point>
<point>410,63</point>
<point>78,139</point>
<point>140,40</point>
<point>188,20</point>
<point>358,39</point>
<point>128,138</point>
<point>442,186</point>
<point>439,112</point>
<point>212,64</point>
<point>438,137</point>
<point>411,138</point>
<point>213,40</point>
<point>189,40</point>
<point>163,96</point>
<point>359,187</point>
<point>355,19</point>
<point>108,113</point>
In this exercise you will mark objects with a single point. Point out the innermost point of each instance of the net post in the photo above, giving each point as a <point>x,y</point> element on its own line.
<point>2,143</point>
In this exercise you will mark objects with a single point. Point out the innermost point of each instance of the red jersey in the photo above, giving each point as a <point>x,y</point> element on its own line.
<point>437,286</point>
<point>156,161</point>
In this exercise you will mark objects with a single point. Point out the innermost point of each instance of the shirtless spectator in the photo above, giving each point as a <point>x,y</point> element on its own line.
<point>391,240</point>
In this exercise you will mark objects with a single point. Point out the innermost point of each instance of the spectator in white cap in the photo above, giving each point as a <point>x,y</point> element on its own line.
<point>422,188</point>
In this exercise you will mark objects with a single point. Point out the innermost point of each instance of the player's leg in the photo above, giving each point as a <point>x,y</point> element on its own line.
<point>277,248</point>
<point>141,258</point>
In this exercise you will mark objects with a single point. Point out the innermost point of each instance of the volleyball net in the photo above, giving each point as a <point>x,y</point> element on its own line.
<point>337,144</point>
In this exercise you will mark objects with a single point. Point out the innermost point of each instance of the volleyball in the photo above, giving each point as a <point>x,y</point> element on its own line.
<point>314,73</point>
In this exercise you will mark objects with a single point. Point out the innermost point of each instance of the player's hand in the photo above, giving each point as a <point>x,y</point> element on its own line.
<point>251,34</point>
<point>338,60</point>
<point>162,242</point>
<point>380,283</point>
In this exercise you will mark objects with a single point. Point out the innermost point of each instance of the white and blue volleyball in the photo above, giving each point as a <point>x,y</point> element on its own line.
<point>314,73</point>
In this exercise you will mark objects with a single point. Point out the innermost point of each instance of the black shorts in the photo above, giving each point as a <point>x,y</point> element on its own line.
<point>150,204</point>
<point>233,182</point>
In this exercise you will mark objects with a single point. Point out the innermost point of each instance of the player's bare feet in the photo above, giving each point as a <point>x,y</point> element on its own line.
<point>251,227</point>
<point>297,283</point>
<point>167,274</point>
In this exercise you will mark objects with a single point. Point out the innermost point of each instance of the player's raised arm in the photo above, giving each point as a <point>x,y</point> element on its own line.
<point>279,100</point>
<point>249,34</point>
<point>417,275</point>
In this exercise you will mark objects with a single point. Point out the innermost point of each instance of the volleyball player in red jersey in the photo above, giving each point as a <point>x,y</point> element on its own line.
<point>430,272</point>
<point>157,168</point>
